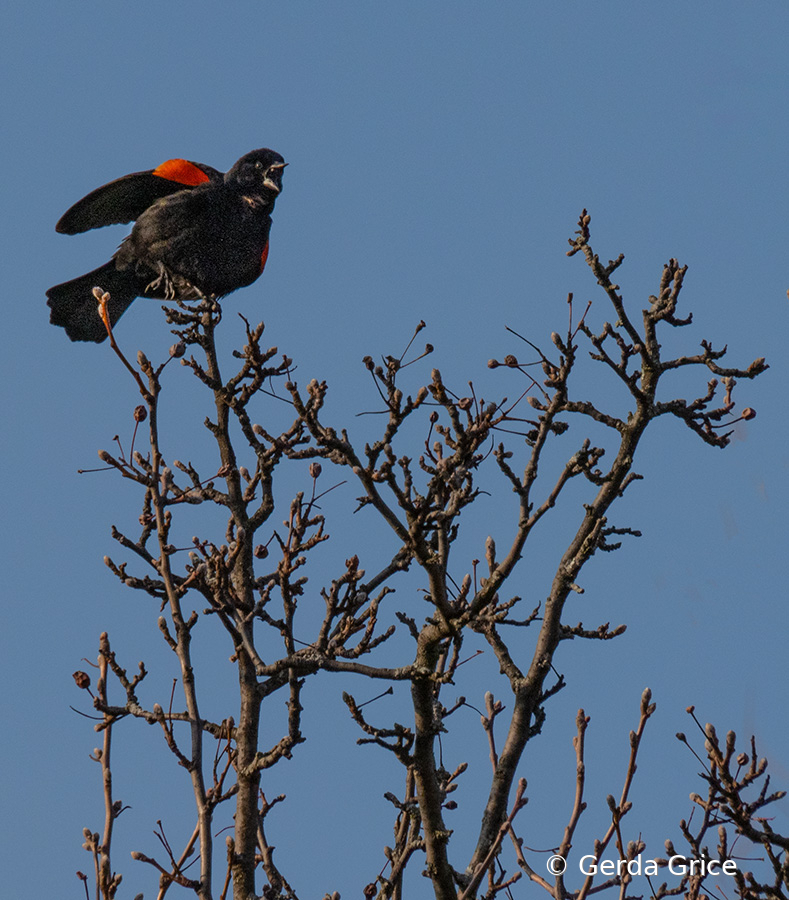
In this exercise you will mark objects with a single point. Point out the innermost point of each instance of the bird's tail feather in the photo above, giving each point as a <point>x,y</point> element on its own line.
<point>76,309</point>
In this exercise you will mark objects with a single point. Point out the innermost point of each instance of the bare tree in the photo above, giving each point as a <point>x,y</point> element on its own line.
<point>424,469</point>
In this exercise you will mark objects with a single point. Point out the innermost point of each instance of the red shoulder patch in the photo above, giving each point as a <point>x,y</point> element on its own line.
<point>182,171</point>
<point>264,257</point>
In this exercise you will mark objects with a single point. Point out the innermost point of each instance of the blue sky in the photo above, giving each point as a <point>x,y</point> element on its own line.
<point>439,157</point>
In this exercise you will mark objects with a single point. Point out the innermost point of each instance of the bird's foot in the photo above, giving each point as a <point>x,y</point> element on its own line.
<point>164,282</point>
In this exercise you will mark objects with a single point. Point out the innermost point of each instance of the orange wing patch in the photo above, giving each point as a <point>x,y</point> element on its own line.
<point>182,171</point>
<point>264,257</point>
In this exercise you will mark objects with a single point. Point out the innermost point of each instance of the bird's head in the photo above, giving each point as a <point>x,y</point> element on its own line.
<point>258,174</point>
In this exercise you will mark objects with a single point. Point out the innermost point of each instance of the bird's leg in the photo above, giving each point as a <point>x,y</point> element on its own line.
<point>164,280</point>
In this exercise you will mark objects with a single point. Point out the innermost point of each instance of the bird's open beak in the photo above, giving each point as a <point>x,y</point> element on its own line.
<point>273,179</point>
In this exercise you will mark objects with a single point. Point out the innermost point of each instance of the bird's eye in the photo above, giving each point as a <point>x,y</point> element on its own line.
<point>258,165</point>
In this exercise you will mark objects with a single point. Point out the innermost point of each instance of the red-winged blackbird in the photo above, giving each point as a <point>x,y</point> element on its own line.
<point>198,233</point>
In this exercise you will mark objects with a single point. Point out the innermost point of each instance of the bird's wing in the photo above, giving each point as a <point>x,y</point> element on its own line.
<point>125,199</point>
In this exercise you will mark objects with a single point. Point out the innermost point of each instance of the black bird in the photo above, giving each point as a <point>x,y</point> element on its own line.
<point>198,233</point>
